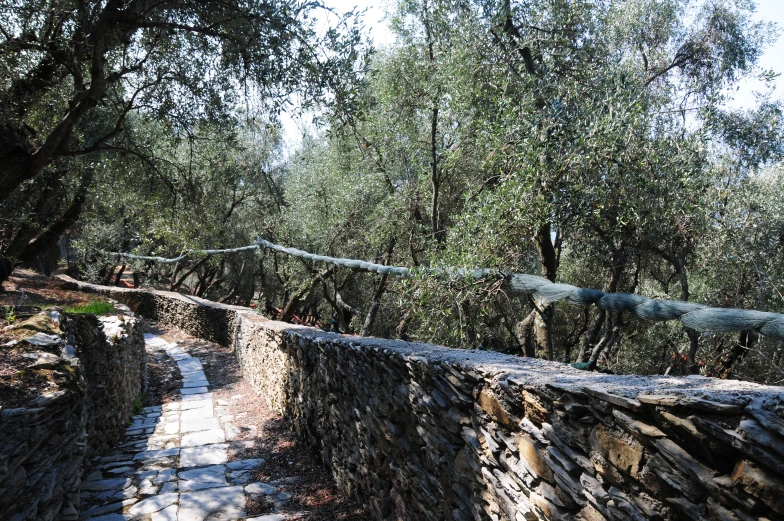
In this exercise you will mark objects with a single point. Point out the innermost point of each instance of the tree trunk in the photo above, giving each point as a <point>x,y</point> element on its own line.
<point>176,285</point>
<point>291,306</point>
<point>543,320</point>
<point>119,275</point>
<point>376,301</point>
<point>737,352</point>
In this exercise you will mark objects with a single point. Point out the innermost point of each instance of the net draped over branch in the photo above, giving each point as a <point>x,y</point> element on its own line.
<point>698,317</point>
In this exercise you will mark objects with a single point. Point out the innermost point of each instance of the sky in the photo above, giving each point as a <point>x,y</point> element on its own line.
<point>767,10</point>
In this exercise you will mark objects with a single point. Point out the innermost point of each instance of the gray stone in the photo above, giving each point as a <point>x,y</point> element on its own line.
<point>168,487</point>
<point>260,489</point>
<point>165,475</point>
<point>113,517</point>
<point>244,464</point>
<point>106,509</point>
<point>107,484</point>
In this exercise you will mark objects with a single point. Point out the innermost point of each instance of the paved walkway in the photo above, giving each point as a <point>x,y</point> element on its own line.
<point>173,464</point>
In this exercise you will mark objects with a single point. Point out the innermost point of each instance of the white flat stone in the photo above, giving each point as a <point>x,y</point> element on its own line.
<point>199,425</point>
<point>197,414</point>
<point>212,474</point>
<point>195,439</point>
<point>172,428</point>
<point>196,397</point>
<point>193,390</point>
<point>268,517</point>
<point>167,514</point>
<point>189,364</point>
<point>153,504</point>
<point>193,486</point>
<point>197,506</point>
<point>204,455</point>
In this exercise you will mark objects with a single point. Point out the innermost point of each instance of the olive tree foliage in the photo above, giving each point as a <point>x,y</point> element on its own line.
<point>74,74</point>
<point>587,141</point>
<point>206,190</point>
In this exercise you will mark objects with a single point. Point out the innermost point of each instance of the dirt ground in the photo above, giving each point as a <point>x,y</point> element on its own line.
<point>26,288</point>
<point>23,295</point>
<point>267,436</point>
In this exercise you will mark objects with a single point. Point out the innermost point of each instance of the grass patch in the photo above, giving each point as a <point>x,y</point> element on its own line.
<point>96,307</point>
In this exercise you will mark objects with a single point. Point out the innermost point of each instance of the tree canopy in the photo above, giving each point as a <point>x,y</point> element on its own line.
<point>590,142</point>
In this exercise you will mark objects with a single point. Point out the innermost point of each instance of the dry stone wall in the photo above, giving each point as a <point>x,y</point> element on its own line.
<point>420,432</point>
<point>97,368</point>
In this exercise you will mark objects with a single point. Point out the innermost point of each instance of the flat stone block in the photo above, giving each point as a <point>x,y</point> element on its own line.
<point>197,506</point>
<point>199,425</point>
<point>167,514</point>
<point>193,390</point>
<point>212,474</point>
<point>168,487</point>
<point>196,397</point>
<point>172,428</point>
<point>268,517</point>
<point>106,509</point>
<point>107,484</point>
<point>152,454</point>
<point>153,504</point>
<point>165,475</point>
<point>195,439</point>
<point>204,455</point>
<point>197,414</point>
<point>192,486</point>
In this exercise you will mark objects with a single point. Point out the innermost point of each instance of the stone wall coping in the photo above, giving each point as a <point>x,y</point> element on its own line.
<point>500,367</point>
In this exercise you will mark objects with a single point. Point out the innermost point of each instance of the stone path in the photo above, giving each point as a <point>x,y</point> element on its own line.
<point>173,464</point>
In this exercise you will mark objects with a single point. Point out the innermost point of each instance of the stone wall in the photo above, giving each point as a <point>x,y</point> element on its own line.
<point>112,357</point>
<point>421,432</point>
<point>96,368</point>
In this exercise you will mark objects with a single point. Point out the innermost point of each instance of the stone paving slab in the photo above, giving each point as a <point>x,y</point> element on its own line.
<point>172,465</point>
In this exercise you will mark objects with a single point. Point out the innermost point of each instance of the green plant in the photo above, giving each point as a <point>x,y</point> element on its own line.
<point>10,315</point>
<point>138,404</point>
<point>96,307</point>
